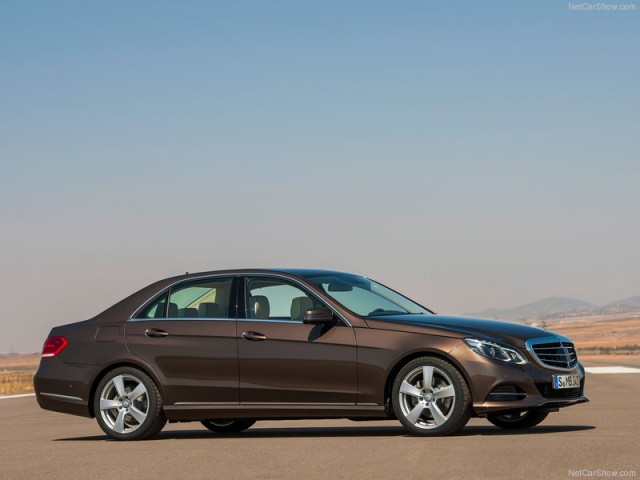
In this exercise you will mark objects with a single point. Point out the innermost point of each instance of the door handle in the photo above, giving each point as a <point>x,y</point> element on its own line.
<point>254,336</point>
<point>155,332</point>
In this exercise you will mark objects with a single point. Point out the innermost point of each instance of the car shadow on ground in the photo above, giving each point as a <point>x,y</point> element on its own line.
<point>540,429</point>
<point>328,432</point>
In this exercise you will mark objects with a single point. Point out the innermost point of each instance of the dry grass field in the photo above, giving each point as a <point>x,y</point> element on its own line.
<point>16,372</point>
<point>16,382</point>
<point>607,336</point>
<point>19,361</point>
<point>604,334</point>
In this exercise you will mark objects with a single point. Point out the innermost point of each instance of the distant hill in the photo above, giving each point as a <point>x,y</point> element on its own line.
<point>631,304</point>
<point>559,307</point>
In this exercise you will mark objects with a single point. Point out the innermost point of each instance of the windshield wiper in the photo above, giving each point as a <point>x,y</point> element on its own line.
<point>381,313</point>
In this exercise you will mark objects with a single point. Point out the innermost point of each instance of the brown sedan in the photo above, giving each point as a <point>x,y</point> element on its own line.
<point>228,348</point>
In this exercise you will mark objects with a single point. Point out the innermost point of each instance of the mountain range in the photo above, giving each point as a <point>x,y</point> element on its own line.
<point>559,307</point>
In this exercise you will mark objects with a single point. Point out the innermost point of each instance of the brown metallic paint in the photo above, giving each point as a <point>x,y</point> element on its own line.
<point>197,361</point>
<point>379,351</point>
<point>205,369</point>
<point>297,363</point>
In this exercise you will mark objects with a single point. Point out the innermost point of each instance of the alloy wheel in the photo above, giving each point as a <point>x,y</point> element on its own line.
<point>427,397</point>
<point>124,404</point>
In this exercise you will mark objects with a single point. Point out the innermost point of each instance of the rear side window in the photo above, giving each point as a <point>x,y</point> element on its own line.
<point>201,299</point>
<point>157,308</point>
<point>198,299</point>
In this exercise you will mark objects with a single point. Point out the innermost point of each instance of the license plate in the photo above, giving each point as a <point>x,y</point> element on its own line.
<point>566,381</point>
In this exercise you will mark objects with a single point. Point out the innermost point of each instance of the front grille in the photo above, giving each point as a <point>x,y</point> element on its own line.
<point>547,391</point>
<point>556,354</point>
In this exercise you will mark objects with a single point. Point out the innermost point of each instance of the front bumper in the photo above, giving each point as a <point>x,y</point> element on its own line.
<point>530,382</point>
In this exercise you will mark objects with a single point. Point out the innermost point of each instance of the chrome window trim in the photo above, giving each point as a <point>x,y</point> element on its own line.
<point>204,319</point>
<point>179,319</point>
<point>550,339</point>
<point>167,287</point>
<point>232,275</point>
<point>269,320</point>
<point>275,320</point>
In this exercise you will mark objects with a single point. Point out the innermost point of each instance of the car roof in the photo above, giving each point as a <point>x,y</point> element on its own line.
<point>300,272</point>
<point>125,307</point>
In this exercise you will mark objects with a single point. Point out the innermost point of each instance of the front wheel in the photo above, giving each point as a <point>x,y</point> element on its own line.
<point>128,405</point>
<point>512,421</point>
<point>227,426</point>
<point>431,397</point>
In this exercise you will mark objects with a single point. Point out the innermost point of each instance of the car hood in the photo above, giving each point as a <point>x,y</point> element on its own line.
<point>513,333</point>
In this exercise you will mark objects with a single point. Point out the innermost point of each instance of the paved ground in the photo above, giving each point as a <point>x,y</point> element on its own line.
<point>603,434</point>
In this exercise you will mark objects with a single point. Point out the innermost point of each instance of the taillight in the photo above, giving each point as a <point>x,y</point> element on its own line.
<point>53,346</point>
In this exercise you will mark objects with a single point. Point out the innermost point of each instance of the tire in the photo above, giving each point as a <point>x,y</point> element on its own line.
<point>128,405</point>
<point>227,426</point>
<point>441,408</point>
<point>519,420</point>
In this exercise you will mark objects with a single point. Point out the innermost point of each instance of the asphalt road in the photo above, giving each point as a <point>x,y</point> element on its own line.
<point>601,435</point>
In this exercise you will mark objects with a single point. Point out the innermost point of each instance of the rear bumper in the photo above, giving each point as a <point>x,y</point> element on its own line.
<point>531,381</point>
<point>64,387</point>
<point>63,404</point>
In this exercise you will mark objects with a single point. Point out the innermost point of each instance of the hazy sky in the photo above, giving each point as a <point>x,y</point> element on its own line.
<point>469,154</point>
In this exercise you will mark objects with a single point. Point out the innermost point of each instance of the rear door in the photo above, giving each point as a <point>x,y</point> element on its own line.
<point>282,360</point>
<point>188,335</point>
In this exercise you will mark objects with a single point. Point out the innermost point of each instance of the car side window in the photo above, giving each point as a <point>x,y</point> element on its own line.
<point>276,299</point>
<point>156,309</point>
<point>210,298</point>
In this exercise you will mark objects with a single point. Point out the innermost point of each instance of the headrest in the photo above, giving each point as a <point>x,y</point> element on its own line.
<point>259,307</point>
<point>173,310</point>
<point>188,313</point>
<point>160,310</point>
<point>298,307</point>
<point>209,310</point>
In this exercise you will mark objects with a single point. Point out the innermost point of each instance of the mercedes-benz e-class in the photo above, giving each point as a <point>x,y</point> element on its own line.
<point>227,348</point>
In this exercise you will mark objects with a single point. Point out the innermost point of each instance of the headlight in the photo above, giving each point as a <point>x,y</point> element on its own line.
<point>493,350</point>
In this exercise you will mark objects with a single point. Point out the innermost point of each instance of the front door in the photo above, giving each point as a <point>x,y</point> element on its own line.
<point>188,336</point>
<point>282,360</point>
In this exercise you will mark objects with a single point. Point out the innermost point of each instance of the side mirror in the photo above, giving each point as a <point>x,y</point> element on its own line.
<point>318,316</point>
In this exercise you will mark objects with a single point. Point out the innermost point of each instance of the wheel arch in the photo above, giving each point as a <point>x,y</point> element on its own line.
<point>118,364</point>
<point>400,363</point>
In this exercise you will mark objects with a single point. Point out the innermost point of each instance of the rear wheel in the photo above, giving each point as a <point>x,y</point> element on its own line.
<point>431,397</point>
<point>128,405</point>
<point>518,420</point>
<point>227,426</point>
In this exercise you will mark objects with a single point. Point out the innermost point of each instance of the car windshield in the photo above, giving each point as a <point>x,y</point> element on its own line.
<point>364,297</point>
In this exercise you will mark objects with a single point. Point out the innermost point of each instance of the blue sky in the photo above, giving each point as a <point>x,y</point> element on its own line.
<point>471,155</point>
